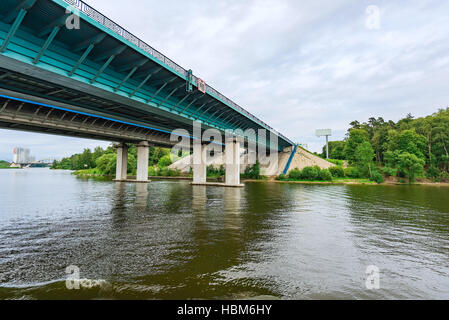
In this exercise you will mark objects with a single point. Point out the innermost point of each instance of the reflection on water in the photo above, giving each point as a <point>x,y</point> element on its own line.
<point>171,240</point>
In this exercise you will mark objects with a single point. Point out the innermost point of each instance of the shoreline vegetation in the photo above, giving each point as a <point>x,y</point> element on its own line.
<point>410,151</point>
<point>5,165</point>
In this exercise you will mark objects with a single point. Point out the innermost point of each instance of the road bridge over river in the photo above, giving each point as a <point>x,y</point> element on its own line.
<point>67,69</point>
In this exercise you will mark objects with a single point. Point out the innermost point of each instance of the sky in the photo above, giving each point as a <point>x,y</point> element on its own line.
<point>297,65</point>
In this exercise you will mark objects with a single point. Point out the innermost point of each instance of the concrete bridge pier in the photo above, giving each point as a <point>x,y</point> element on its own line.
<point>121,171</point>
<point>232,152</point>
<point>199,163</point>
<point>232,160</point>
<point>143,149</point>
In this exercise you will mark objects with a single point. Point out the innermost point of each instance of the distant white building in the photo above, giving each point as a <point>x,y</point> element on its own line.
<point>22,156</point>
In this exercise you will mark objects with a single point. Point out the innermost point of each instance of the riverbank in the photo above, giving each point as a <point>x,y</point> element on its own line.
<point>354,182</point>
<point>341,181</point>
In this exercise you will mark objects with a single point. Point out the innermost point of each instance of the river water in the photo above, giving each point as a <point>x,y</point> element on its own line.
<point>169,240</point>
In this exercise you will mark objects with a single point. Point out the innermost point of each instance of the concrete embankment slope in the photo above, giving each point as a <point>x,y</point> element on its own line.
<point>304,159</point>
<point>301,160</point>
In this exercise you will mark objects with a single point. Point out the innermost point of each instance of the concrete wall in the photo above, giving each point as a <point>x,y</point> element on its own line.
<point>302,159</point>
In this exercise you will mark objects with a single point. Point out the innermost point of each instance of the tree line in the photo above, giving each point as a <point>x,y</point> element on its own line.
<point>409,148</point>
<point>103,161</point>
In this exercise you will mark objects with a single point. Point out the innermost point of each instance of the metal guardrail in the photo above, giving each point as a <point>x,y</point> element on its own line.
<point>111,25</point>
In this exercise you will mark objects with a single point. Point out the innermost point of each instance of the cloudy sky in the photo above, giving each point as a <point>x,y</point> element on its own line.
<point>298,65</point>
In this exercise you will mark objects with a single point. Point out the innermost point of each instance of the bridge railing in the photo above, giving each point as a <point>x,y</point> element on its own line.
<point>111,25</point>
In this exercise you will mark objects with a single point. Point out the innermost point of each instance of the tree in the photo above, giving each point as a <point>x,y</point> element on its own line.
<point>364,155</point>
<point>356,137</point>
<point>336,150</point>
<point>407,141</point>
<point>106,163</point>
<point>98,152</point>
<point>85,160</point>
<point>165,161</point>
<point>410,165</point>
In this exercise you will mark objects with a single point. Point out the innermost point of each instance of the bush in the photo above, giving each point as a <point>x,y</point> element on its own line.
<point>212,172</point>
<point>106,163</point>
<point>281,177</point>
<point>389,171</point>
<point>336,162</point>
<point>337,172</point>
<point>325,175</point>
<point>152,172</point>
<point>252,172</point>
<point>410,165</point>
<point>433,173</point>
<point>165,161</point>
<point>444,177</point>
<point>310,173</point>
<point>377,177</point>
<point>352,172</point>
<point>295,174</point>
<point>166,172</point>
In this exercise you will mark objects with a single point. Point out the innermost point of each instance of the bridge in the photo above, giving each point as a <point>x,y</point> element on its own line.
<point>66,69</point>
<point>34,164</point>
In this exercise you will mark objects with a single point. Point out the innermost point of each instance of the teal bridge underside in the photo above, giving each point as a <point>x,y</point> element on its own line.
<point>102,70</point>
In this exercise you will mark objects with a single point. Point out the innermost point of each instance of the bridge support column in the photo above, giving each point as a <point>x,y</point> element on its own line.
<point>121,171</point>
<point>142,161</point>
<point>199,163</point>
<point>232,163</point>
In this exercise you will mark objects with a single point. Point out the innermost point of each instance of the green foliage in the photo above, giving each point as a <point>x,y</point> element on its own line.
<point>352,172</point>
<point>356,137</point>
<point>281,177</point>
<point>325,175</point>
<point>154,171</point>
<point>337,172</point>
<point>104,161</point>
<point>213,172</point>
<point>155,154</point>
<point>364,155</point>
<point>106,164</point>
<point>336,162</point>
<point>252,172</point>
<point>336,150</point>
<point>310,173</point>
<point>407,141</point>
<point>389,171</point>
<point>433,173</point>
<point>4,164</point>
<point>166,172</point>
<point>410,165</point>
<point>295,174</point>
<point>444,177</point>
<point>377,177</point>
<point>164,161</point>
<point>426,138</point>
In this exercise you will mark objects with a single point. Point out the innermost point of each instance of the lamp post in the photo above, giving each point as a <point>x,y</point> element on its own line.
<point>325,133</point>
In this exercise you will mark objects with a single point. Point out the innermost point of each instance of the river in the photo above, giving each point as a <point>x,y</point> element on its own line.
<point>169,240</point>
